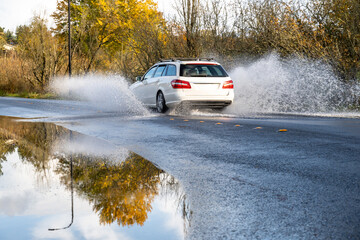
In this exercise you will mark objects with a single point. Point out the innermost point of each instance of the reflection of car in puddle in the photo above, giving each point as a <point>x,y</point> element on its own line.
<point>118,185</point>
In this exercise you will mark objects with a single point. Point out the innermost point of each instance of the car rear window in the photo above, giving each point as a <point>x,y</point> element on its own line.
<point>202,70</point>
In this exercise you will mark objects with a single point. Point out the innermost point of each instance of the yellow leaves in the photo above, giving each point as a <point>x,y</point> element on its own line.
<point>120,192</point>
<point>121,17</point>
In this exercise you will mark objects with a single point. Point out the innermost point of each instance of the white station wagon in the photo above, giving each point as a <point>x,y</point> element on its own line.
<point>199,83</point>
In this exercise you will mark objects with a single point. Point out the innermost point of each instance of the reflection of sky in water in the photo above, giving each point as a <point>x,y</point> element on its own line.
<point>30,204</point>
<point>117,193</point>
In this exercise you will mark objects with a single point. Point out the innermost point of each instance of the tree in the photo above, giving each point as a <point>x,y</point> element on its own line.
<point>10,38</point>
<point>339,20</point>
<point>148,44</point>
<point>105,27</point>
<point>189,12</point>
<point>2,39</point>
<point>40,52</point>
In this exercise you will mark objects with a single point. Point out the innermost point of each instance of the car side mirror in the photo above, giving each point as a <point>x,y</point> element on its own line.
<point>138,78</point>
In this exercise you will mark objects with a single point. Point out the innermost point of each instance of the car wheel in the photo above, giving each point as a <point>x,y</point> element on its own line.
<point>160,103</point>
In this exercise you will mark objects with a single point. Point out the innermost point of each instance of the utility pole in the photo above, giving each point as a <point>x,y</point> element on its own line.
<point>71,188</point>
<point>69,38</point>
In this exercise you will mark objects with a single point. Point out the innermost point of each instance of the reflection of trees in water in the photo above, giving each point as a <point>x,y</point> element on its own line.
<point>121,192</point>
<point>6,147</point>
<point>33,141</point>
<point>171,187</point>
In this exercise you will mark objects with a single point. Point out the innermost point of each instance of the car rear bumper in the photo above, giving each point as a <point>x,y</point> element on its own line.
<point>206,104</point>
<point>202,103</point>
<point>209,101</point>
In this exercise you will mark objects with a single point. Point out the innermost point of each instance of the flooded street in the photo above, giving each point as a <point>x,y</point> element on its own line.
<point>199,176</point>
<point>56,183</point>
<point>180,120</point>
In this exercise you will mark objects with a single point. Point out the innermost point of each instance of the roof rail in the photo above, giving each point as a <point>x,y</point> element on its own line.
<point>186,59</point>
<point>168,60</point>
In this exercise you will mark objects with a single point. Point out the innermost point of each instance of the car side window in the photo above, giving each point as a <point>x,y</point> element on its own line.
<point>159,71</point>
<point>171,70</point>
<point>150,73</point>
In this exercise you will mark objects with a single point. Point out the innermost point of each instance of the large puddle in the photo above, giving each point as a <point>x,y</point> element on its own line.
<point>59,184</point>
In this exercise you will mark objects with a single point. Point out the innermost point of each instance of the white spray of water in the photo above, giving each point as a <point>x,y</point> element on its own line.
<point>91,147</point>
<point>271,85</point>
<point>105,92</point>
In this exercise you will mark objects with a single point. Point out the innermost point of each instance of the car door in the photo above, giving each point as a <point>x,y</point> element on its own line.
<point>141,88</point>
<point>169,74</point>
<point>152,85</point>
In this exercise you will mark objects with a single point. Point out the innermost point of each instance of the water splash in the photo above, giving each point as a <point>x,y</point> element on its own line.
<point>105,92</point>
<point>271,85</point>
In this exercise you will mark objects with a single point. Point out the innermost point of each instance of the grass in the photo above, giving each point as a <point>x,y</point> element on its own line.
<point>30,95</point>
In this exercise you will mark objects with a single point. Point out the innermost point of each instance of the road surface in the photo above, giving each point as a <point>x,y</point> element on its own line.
<point>244,179</point>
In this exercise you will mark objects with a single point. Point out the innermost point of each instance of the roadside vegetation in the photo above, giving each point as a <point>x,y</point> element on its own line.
<point>127,37</point>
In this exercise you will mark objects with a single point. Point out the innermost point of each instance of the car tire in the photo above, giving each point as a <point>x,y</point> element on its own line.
<point>160,103</point>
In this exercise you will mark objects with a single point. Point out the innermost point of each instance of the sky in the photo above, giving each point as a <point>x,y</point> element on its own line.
<point>19,12</point>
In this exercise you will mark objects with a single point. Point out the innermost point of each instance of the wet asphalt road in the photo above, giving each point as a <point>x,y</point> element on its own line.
<point>243,182</point>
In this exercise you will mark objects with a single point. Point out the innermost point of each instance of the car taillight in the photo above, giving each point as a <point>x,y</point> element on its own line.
<point>180,84</point>
<point>228,84</point>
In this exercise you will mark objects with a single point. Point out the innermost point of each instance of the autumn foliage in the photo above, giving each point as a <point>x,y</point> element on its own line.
<point>126,37</point>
